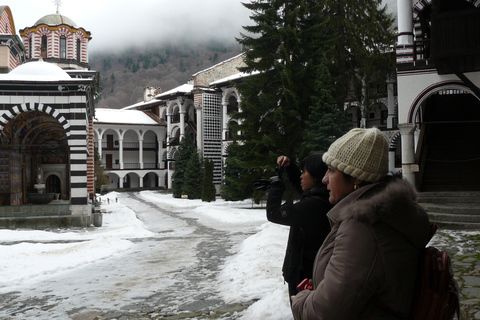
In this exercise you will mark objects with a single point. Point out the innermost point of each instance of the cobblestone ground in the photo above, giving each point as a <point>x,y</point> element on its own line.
<point>464,250</point>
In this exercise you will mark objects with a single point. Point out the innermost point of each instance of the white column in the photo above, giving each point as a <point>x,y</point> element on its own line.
<point>405,22</point>
<point>169,126</point>
<point>182,124</point>
<point>408,153</point>
<point>225,119</point>
<point>120,182</point>
<point>390,102</point>
<point>160,151</point>
<point>391,161</point>
<point>120,152</point>
<point>31,48</point>
<point>199,128</point>
<point>99,146</point>
<point>140,152</point>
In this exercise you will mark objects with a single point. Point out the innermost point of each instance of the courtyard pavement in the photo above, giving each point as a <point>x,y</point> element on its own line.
<point>464,249</point>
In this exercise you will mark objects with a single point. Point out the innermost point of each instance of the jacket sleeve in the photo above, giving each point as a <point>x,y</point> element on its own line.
<point>304,212</point>
<point>293,174</point>
<point>348,284</point>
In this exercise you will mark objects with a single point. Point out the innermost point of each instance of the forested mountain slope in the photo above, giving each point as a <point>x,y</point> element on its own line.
<point>125,74</point>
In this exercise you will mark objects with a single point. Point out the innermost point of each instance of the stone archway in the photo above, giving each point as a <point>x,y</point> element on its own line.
<point>449,156</point>
<point>34,140</point>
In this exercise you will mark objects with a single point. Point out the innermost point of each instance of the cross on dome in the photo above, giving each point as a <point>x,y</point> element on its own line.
<point>58,3</point>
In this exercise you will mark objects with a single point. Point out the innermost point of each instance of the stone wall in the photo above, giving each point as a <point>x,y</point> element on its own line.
<point>222,70</point>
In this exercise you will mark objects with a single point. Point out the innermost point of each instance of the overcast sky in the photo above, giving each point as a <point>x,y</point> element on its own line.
<point>114,23</point>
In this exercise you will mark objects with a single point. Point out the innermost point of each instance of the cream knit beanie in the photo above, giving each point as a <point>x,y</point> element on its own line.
<point>360,153</point>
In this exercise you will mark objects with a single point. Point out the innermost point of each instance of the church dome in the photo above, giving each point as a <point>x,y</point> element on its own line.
<point>56,19</point>
<point>38,70</point>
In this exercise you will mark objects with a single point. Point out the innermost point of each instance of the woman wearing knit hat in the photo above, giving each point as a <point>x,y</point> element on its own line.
<point>378,230</point>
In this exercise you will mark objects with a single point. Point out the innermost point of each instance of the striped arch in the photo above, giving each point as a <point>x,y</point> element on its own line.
<point>394,141</point>
<point>33,106</point>
<point>420,5</point>
<point>228,93</point>
<point>428,91</point>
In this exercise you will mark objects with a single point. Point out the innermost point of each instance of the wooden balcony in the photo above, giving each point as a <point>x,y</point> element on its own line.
<point>455,41</point>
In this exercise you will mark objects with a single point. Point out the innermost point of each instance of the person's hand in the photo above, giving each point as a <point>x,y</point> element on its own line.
<point>283,161</point>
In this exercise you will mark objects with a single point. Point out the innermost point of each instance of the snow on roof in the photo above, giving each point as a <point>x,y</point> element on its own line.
<point>141,104</point>
<point>218,64</point>
<point>184,88</point>
<point>37,71</point>
<point>119,116</point>
<point>233,77</point>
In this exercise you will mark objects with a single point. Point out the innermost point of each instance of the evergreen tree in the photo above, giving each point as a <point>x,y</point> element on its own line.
<point>326,122</point>
<point>362,53</point>
<point>282,52</point>
<point>100,177</point>
<point>208,189</point>
<point>233,187</point>
<point>185,150</point>
<point>192,184</point>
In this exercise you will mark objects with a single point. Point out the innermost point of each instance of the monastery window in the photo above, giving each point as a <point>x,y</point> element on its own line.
<point>231,128</point>
<point>384,116</point>
<point>63,47</point>
<point>44,46</point>
<point>30,48</point>
<point>232,106</point>
<point>79,50</point>
<point>176,116</point>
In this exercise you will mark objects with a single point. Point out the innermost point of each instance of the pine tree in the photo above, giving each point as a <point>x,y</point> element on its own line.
<point>192,183</point>
<point>362,48</point>
<point>284,102</point>
<point>100,177</point>
<point>326,122</point>
<point>183,155</point>
<point>275,101</point>
<point>208,188</point>
<point>234,188</point>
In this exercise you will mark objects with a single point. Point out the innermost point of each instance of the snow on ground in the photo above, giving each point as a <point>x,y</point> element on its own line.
<point>252,273</point>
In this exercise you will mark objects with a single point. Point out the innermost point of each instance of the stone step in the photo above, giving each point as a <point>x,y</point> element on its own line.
<point>447,217</point>
<point>45,222</point>
<point>450,197</point>
<point>456,209</point>
<point>457,225</point>
<point>35,210</point>
<point>453,208</point>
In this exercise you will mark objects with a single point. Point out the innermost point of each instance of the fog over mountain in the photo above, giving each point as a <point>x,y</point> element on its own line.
<point>124,74</point>
<point>148,42</point>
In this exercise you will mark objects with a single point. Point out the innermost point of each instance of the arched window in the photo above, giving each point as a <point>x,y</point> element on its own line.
<point>232,106</point>
<point>231,129</point>
<point>30,48</point>
<point>79,50</point>
<point>63,47</point>
<point>44,46</point>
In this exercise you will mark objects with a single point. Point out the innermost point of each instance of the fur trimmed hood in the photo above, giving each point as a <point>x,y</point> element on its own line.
<point>392,202</point>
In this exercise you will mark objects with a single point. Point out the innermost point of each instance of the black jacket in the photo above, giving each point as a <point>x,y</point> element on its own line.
<point>308,223</point>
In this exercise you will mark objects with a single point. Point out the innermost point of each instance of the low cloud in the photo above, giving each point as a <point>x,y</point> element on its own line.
<point>117,24</point>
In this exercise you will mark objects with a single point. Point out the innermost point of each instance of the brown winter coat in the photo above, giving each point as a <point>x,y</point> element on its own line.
<point>371,252</point>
